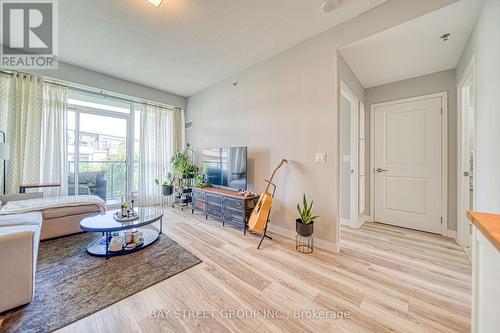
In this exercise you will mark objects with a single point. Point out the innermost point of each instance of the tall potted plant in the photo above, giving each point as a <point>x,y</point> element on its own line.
<point>182,166</point>
<point>305,223</point>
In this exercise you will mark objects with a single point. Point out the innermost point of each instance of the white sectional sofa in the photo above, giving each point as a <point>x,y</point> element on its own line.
<point>19,240</point>
<point>20,236</point>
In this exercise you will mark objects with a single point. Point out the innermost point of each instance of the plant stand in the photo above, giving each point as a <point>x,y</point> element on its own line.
<point>183,193</point>
<point>168,200</point>
<point>304,244</point>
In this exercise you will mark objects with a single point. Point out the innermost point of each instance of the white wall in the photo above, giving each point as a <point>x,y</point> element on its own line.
<point>346,75</point>
<point>423,85</point>
<point>287,107</point>
<point>484,44</point>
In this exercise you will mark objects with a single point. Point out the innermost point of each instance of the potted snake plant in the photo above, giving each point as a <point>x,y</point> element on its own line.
<point>305,223</point>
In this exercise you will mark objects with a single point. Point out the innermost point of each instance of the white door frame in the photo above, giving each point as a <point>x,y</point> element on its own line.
<point>468,77</point>
<point>444,153</point>
<point>354,219</point>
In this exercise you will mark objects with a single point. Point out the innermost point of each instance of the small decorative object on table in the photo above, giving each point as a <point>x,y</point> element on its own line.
<point>115,244</point>
<point>246,194</point>
<point>133,239</point>
<point>125,214</point>
<point>304,225</point>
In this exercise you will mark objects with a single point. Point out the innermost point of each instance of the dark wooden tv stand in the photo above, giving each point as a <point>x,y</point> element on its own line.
<point>224,205</point>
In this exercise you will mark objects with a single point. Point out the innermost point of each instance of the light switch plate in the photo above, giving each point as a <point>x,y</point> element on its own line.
<point>320,157</point>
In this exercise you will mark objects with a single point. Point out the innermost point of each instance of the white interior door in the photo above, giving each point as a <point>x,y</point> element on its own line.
<point>407,164</point>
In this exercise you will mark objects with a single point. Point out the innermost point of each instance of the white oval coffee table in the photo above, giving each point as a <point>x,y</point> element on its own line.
<point>105,224</point>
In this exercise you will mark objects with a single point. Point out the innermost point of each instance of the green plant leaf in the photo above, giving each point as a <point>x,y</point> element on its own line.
<point>305,212</point>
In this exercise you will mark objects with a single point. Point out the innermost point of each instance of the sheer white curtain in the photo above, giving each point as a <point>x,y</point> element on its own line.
<point>34,118</point>
<point>179,128</point>
<point>53,149</point>
<point>6,103</point>
<point>24,119</point>
<point>156,149</point>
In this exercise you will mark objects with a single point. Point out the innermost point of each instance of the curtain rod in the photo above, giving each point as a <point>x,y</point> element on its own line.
<point>94,91</point>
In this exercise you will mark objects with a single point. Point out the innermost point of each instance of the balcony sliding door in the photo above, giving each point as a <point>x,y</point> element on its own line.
<point>99,147</point>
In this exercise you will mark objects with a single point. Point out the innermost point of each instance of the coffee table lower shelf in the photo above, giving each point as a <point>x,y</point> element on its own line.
<point>98,248</point>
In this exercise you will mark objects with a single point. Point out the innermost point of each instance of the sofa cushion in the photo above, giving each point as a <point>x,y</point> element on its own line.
<point>41,204</point>
<point>53,213</point>
<point>24,228</point>
<point>32,218</point>
<point>18,256</point>
<point>20,196</point>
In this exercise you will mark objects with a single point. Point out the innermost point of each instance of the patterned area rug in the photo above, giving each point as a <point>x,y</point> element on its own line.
<point>70,284</point>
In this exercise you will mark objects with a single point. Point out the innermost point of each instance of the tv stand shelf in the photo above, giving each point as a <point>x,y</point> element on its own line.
<point>224,205</point>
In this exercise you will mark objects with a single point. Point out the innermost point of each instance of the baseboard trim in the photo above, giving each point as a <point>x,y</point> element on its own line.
<point>363,219</point>
<point>345,222</point>
<point>451,234</point>
<point>319,243</point>
<point>360,222</point>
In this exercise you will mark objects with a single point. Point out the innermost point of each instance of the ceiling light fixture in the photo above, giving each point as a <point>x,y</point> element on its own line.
<point>156,3</point>
<point>330,5</point>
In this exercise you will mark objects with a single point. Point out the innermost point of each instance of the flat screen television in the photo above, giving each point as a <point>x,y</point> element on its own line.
<point>226,167</point>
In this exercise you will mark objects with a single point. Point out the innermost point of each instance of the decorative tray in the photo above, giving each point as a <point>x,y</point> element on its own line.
<point>121,218</point>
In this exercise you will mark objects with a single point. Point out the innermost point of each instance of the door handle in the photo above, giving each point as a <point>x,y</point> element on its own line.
<point>380,170</point>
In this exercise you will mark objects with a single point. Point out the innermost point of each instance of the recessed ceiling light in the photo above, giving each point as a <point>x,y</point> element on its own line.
<point>156,3</point>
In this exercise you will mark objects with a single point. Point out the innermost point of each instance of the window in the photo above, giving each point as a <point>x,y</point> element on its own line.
<point>104,146</point>
<point>99,149</point>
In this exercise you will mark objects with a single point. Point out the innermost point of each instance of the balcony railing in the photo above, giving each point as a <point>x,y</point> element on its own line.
<point>106,179</point>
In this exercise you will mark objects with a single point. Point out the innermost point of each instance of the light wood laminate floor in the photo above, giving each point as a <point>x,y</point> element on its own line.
<point>388,279</point>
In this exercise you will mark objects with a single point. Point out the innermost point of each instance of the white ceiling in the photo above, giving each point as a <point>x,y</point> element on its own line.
<point>413,48</point>
<point>187,45</point>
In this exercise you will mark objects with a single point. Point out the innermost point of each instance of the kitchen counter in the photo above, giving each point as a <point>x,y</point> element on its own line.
<point>488,225</point>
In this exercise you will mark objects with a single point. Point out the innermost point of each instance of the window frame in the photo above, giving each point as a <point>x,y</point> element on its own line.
<point>130,121</point>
